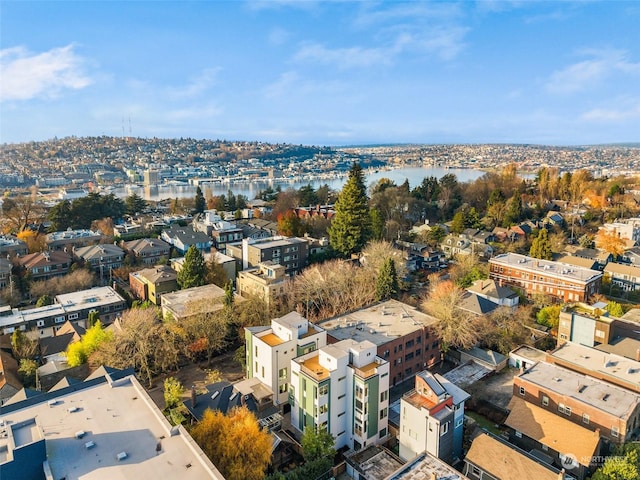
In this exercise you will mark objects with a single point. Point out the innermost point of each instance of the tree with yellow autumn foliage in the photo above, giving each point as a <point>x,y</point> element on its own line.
<point>611,242</point>
<point>235,443</point>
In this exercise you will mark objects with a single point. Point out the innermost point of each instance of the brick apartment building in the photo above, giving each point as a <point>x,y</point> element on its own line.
<point>566,283</point>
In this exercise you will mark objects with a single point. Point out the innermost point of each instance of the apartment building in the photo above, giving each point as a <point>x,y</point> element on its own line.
<point>70,239</point>
<point>534,276</point>
<point>221,231</point>
<point>192,301</point>
<point>402,335</point>
<point>342,388</point>
<point>269,351</point>
<point>151,283</point>
<point>74,307</point>
<point>148,251</point>
<point>627,277</point>
<point>628,229</point>
<point>227,263</point>
<point>11,246</point>
<point>432,418</point>
<point>45,265</point>
<point>609,367</point>
<point>291,252</point>
<point>586,401</point>
<point>266,282</point>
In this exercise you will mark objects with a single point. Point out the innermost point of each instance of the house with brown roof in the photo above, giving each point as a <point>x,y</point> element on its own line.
<point>148,251</point>
<point>491,458</point>
<point>102,258</point>
<point>45,265</point>
<point>550,436</point>
<point>10,383</point>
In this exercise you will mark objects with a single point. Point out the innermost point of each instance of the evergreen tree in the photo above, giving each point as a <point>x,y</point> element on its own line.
<point>377,224</point>
<point>514,211</point>
<point>541,246</point>
<point>134,204</point>
<point>387,281</point>
<point>201,203</point>
<point>351,225</point>
<point>458,224</point>
<point>194,270</point>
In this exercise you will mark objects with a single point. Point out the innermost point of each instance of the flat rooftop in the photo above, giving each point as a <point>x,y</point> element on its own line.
<point>271,339</point>
<point>118,418</point>
<point>93,297</point>
<point>615,366</point>
<point>546,267</point>
<point>374,462</point>
<point>605,396</point>
<point>311,366</point>
<point>379,323</point>
<point>425,465</point>
<point>530,353</point>
<point>178,301</point>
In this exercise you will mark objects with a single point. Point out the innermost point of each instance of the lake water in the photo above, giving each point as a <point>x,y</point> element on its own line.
<point>251,188</point>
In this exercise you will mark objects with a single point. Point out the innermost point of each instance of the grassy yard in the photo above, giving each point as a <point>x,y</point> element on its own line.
<point>484,422</point>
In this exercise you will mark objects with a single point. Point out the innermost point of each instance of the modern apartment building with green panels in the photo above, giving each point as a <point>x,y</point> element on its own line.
<point>342,388</point>
<point>269,351</point>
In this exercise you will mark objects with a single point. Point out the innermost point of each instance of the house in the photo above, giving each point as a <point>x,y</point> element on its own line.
<point>488,358</point>
<point>550,436</point>
<point>535,276</point>
<point>574,261</point>
<point>5,272</point>
<point>476,304</point>
<point>631,255</point>
<point>102,259</point>
<point>453,245</point>
<point>342,388</point>
<point>599,256</point>
<point>269,351</point>
<point>402,334</point>
<point>594,404</point>
<point>627,277</point>
<point>493,291</point>
<point>151,283</point>
<point>181,238</point>
<point>227,263</point>
<point>525,356</point>
<point>291,252</point>
<point>70,239</point>
<point>492,458</point>
<point>149,251</point>
<point>267,282</point>
<point>45,265</point>
<point>432,418</point>
<point>45,321</point>
<point>11,246</point>
<point>125,434</point>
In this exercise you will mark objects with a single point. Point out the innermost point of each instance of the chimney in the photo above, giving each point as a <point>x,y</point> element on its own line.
<point>193,396</point>
<point>433,476</point>
<point>638,355</point>
<point>561,474</point>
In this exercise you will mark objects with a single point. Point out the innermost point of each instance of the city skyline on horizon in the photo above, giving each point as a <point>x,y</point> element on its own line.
<point>323,73</point>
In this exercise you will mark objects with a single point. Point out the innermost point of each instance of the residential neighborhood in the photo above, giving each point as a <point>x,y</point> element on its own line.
<point>398,332</point>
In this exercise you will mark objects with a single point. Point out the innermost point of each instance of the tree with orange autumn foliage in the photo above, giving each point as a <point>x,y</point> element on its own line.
<point>611,242</point>
<point>455,327</point>
<point>235,443</point>
<point>34,241</point>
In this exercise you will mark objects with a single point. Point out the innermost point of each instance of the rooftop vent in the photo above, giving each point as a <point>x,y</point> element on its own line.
<point>89,445</point>
<point>121,456</point>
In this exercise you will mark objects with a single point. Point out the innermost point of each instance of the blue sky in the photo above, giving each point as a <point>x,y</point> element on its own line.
<point>324,73</point>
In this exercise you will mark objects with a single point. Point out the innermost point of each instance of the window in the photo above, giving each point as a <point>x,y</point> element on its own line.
<point>614,432</point>
<point>409,344</point>
<point>40,323</point>
<point>518,434</point>
<point>521,390</point>
<point>476,470</point>
<point>544,448</point>
<point>59,319</point>
<point>383,433</point>
<point>73,316</point>
<point>263,371</point>
<point>324,408</point>
<point>545,400</point>
<point>282,373</point>
<point>459,422</point>
<point>283,388</point>
<point>324,389</point>
<point>444,428</point>
<point>383,413</point>
<point>256,369</point>
<point>564,409</point>
<point>419,340</point>
<point>383,396</point>
<point>585,418</point>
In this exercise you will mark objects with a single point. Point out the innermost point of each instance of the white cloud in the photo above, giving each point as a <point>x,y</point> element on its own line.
<point>278,36</point>
<point>587,73</point>
<point>196,85</point>
<point>629,110</point>
<point>348,57</point>
<point>26,75</point>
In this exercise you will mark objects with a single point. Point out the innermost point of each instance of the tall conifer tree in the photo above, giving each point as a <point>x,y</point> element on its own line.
<point>351,226</point>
